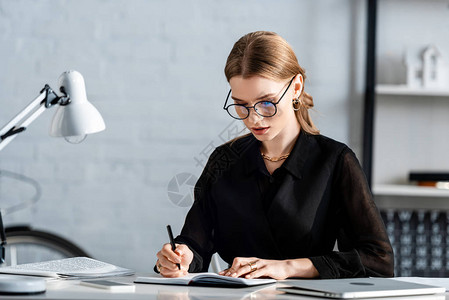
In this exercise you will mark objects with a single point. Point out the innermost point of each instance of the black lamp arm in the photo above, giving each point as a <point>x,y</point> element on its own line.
<point>12,131</point>
<point>3,240</point>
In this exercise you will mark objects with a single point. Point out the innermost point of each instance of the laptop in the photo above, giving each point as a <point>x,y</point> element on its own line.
<point>353,288</point>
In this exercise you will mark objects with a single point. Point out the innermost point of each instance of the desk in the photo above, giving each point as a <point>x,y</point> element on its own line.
<point>71,289</point>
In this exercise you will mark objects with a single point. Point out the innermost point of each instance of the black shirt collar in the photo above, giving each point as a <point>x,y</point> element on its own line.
<point>295,161</point>
<point>293,164</point>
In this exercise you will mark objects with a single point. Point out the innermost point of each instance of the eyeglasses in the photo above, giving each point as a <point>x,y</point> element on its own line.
<point>262,108</point>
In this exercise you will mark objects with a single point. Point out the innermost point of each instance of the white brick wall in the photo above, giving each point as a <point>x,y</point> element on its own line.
<point>154,69</point>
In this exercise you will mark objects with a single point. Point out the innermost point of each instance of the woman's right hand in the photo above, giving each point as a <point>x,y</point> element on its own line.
<point>168,260</point>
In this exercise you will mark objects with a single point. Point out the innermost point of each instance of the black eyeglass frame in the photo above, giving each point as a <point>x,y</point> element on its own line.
<point>253,107</point>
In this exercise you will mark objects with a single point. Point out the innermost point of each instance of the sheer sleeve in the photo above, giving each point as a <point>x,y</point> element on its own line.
<point>364,246</point>
<point>197,232</point>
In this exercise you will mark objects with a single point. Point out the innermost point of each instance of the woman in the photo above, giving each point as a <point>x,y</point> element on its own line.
<point>275,202</point>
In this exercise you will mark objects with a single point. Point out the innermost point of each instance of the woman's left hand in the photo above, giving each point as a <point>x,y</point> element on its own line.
<point>253,267</point>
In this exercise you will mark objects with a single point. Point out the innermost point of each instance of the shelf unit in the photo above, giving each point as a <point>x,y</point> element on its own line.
<point>386,189</point>
<point>405,131</point>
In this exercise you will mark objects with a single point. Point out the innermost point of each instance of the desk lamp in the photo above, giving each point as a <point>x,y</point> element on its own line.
<point>74,119</point>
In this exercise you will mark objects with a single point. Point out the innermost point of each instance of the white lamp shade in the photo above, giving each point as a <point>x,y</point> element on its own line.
<point>79,117</point>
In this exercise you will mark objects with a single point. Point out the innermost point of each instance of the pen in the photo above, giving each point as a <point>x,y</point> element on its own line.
<point>172,242</point>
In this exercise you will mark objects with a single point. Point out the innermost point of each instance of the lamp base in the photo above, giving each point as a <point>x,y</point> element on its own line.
<point>21,285</point>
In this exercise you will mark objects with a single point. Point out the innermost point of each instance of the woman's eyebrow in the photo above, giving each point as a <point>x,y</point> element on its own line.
<point>258,98</point>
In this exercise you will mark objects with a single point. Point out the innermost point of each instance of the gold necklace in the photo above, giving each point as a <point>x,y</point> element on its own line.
<point>275,159</point>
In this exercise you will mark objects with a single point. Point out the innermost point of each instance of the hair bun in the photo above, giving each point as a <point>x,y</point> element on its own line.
<point>307,100</point>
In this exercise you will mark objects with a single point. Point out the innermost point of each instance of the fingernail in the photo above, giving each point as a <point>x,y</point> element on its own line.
<point>234,274</point>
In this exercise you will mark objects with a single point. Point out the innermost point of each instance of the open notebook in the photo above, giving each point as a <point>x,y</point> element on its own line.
<point>204,279</point>
<point>75,267</point>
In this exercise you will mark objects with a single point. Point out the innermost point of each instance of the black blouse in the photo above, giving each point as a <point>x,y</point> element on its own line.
<point>317,197</point>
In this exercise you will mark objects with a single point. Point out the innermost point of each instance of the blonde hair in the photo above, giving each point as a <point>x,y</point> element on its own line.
<point>267,54</point>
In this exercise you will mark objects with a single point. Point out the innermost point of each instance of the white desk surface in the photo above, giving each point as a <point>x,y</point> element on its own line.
<point>71,289</point>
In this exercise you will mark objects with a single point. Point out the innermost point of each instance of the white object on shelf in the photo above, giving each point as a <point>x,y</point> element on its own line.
<point>426,68</point>
<point>433,70</point>
<point>402,89</point>
<point>413,65</point>
<point>409,190</point>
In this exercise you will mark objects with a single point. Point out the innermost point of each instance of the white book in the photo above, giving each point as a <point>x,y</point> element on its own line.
<point>204,279</point>
<point>75,267</point>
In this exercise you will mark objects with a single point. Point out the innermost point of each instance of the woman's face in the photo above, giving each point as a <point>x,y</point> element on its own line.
<point>249,91</point>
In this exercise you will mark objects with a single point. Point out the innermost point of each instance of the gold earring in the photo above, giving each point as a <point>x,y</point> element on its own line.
<point>296,104</point>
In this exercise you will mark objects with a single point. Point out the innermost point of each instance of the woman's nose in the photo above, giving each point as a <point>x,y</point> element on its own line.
<point>253,115</point>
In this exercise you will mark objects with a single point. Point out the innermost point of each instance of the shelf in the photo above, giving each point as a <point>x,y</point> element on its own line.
<point>409,190</point>
<point>396,89</point>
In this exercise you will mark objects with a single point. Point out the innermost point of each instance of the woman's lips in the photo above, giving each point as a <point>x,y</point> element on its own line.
<point>260,130</point>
